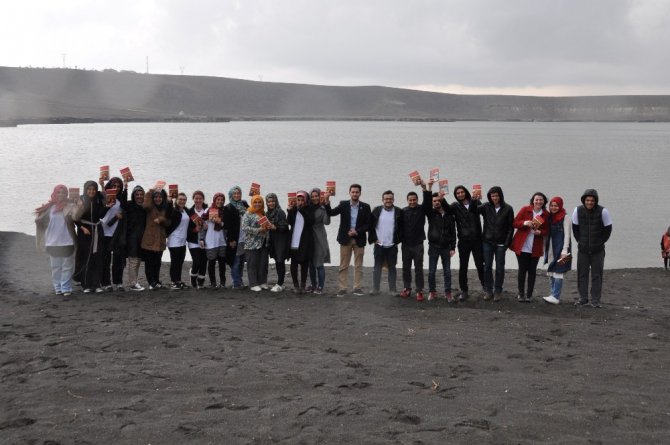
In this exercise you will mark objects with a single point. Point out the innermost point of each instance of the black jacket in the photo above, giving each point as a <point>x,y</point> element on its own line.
<point>363,221</point>
<point>498,228</point>
<point>136,218</point>
<point>413,222</point>
<point>441,226</point>
<point>306,244</point>
<point>191,233</point>
<point>467,219</point>
<point>591,234</point>
<point>397,226</point>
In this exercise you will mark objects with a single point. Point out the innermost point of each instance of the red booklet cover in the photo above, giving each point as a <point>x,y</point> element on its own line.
<point>196,218</point>
<point>111,197</point>
<point>415,177</point>
<point>330,187</point>
<point>292,198</point>
<point>444,186</point>
<point>435,174</point>
<point>538,220</point>
<point>255,189</point>
<point>173,191</point>
<point>73,193</point>
<point>160,185</point>
<point>104,172</point>
<point>263,221</point>
<point>127,175</point>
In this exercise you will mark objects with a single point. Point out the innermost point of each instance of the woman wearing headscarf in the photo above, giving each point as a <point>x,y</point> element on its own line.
<point>255,245</point>
<point>198,255</point>
<point>114,241</point>
<point>213,239</point>
<point>136,218</point>
<point>56,237</point>
<point>153,239</point>
<point>300,218</point>
<point>88,215</point>
<point>321,254</point>
<point>235,255</point>
<point>528,242</point>
<point>278,238</point>
<point>558,248</point>
<point>176,241</point>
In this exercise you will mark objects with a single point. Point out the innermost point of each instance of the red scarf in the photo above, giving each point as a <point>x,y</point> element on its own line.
<point>60,205</point>
<point>558,216</point>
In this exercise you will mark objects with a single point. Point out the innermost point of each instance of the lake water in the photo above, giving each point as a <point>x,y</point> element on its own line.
<point>626,163</point>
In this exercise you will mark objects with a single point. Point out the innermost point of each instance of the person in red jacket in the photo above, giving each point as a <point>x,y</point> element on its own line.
<point>528,242</point>
<point>665,248</point>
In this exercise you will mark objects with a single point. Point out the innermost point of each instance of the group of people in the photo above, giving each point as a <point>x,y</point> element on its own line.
<point>93,238</point>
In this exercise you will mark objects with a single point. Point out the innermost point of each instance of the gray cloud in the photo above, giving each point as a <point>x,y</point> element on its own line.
<point>603,44</point>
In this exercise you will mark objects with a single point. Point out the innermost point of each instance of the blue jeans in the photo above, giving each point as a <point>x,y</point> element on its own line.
<point>556,286</point>
<point>390,256</point>
<point>237,270</point>
<point>61,272</point>
<point>491,250</point>
<point>317,271</point>
<point>434,254</point>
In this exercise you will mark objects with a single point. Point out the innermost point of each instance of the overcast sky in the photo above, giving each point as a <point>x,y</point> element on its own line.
<point>536,47</point>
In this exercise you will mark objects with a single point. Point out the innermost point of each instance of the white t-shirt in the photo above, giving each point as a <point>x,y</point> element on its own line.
<point>57,233</point>
<point>528,244</point>
<point>214,238</point>
<point>385,227</point>
<point>178,237</point>
<point>196,245</point>
<point>111,213</point>
<point>297,230</point>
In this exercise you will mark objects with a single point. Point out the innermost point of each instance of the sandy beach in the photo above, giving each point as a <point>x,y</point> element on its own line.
<point>206,366</point>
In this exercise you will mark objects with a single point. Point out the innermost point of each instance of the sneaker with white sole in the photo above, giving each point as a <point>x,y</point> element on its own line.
<point>551,299</point>
<point>255,289</point>
<point>99,290</point>
<point>136,287</point>
<point>67,293</point>
<point>277,288</point>
<point>87,291</point>
<point>265,286</point>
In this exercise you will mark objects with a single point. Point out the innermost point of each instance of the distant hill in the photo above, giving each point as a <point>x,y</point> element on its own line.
<point>62,95</point>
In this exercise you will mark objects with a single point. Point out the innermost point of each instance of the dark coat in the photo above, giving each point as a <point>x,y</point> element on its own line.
<point>306,246</point>
<point>498,226</point>
<point>397,227</point>
<point>363,222</point>
<point>136,218</point>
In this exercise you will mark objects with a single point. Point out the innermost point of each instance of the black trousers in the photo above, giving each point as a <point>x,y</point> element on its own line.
<point>465,248</point>
<point>116,261</point>
<point>177,255</point>
<point>152,266</point>
<point>527,266</point>
<point>590,264</point>
<point>304,269</point>
<point>412,254</point>
<point>199,265</point>
<point>211,270</point>
<point>281,271</point>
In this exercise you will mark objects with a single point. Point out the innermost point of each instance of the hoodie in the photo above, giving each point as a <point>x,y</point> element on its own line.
<point>498,227</point>
<point>590,231</point>
<point>467,219</point>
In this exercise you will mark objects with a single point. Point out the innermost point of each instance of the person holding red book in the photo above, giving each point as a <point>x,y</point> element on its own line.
<point>56,237</point>
<point>528,242</point>
<point>155,235</point>
<point>255,244</point>
<point>212,238</point>
<point>557,248</point>
<point>198,255</point>
<point>88,218</point>
<point>278,238</point>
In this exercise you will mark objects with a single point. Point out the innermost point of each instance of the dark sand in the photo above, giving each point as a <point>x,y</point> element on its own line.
<point>237,367</point>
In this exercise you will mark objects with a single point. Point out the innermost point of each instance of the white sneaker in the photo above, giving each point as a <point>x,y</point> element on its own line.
<point>551,299</point>
<point>276,288</point>
<point>136,287</point>
<point>255,288</point>
<point>264,286</point>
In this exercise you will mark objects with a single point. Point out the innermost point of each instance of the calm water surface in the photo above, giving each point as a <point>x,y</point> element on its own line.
<point>626,162</point>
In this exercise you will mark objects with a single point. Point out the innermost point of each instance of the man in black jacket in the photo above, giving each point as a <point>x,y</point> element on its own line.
<point>413,234</point>
<point>469,236</point>
<point>385,233</point>
<point>498,230</point>
<point>441,239</point>
<point>592,226</point>
<point>354,223</point>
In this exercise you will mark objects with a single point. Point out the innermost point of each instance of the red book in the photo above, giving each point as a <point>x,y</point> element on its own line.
<point>73,193</point>
<point>477,191</point>
<point>196,218</point>
<point>160,185</point>
<point>538,220</point>
<point>255,189</point>
<point>110,195</point>
<point>104,172</point>
<point>415,177</point>
<point>292,198</point>
<point>263,221</point>
<point>330,187</point>
<point>444,186</point>
<point>173,191</point>
<point>435,174</point>
<point>213,212</point>
<point>127,175</point>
